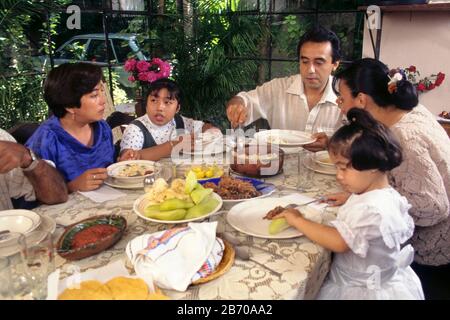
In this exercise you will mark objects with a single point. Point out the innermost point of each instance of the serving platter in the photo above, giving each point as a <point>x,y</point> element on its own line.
<point>143,202</point>
<point>285,138</point>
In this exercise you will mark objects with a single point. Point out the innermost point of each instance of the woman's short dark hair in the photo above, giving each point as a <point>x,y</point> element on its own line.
<point>320,34</point>
<point>371,76</point>
<point>367,143</point>
<point>170,85</point>
<point>67,83</point>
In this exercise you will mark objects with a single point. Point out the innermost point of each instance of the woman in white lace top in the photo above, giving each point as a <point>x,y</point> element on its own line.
<point>424,175</point>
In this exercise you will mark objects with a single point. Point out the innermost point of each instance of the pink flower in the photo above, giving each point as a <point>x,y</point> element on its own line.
<point>143,76</point>
<point>131,79</point>
<point>142,66</point>
<point>130,65</point>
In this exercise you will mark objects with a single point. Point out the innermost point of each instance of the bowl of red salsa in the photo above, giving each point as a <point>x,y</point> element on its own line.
<point>90,236</point>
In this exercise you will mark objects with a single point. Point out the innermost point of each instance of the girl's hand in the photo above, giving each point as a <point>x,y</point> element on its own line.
<point>336,199</point>
<point>89,180</point>
<point>129,154</point>
<point>291,215</point>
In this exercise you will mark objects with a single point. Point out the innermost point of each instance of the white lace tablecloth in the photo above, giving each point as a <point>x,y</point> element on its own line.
<point>302,263</point>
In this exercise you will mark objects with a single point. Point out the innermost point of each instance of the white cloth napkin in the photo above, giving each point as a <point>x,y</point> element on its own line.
<point>104,193</point>
<point>173,258</point>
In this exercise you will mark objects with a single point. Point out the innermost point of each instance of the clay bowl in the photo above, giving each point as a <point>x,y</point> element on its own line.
<point>65,247</point>
<point>258,160</point>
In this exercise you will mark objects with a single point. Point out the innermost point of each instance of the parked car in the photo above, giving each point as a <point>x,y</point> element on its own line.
<point>91,48</point>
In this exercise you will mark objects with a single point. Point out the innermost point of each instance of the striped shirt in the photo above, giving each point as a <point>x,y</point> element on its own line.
<point>283,103</point>
<point>13,184</point>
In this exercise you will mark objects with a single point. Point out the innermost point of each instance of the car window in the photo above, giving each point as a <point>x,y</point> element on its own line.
<point>73,50</point>
<point>96,51</point>
<point>122,49</point>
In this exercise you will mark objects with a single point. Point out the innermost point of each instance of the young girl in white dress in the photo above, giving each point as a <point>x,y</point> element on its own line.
<point>367,235</point>
<point>150,137</point>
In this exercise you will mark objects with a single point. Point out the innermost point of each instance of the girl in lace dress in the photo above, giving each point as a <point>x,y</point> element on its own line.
<point>371,226</point>
<point>151,137</point>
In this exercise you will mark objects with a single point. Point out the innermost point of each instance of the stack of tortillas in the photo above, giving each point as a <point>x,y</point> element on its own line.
<point>118,288</point>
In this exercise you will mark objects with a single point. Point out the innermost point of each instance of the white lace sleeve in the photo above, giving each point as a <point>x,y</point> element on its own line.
<point>358,224</point>
<point>419,180</point>
<point>133,138</point>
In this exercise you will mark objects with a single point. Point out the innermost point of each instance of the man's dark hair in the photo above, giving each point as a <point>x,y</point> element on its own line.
<point>67,83</point>
<point>320,34</point>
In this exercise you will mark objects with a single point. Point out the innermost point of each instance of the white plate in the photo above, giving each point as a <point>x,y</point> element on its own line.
<point>115,184</point>
<point>113,171</point>
<point>311,164</point>
<point>323,159</point>
<point>10,247</point>
<point>247,217</point>
<point>142,202</point>
<point>285,138</point>
<point>22,221</point>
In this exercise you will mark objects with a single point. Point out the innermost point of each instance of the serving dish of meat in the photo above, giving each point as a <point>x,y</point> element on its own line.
<point>238,189</point>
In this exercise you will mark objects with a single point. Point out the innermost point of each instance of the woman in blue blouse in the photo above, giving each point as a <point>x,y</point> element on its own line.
<point>76,138</point>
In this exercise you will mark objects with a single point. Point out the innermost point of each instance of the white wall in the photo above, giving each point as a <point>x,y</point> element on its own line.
<point>421,39</point>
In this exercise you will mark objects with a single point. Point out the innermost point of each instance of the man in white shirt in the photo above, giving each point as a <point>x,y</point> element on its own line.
<point>304,101</point>
<point>24,175</point>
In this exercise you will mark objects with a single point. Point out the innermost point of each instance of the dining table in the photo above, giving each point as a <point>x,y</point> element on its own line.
<point>293,268</point>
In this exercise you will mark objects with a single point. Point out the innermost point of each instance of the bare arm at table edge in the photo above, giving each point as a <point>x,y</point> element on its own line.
<point>49,186</point>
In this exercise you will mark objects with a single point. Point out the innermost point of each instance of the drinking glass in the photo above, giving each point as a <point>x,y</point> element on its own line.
<point>38,257</point>
<point>17,287</point>
<point>5,278</point>
<point>305,175</point>
<point>166,169</point>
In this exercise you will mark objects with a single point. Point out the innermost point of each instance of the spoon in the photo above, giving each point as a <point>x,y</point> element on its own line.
<point>244,255</point>
<point>237,243</point>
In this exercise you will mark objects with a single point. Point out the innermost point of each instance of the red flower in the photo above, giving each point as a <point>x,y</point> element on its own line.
<point>439,78</point>
<point>412,69</point>
<point>420,87</point>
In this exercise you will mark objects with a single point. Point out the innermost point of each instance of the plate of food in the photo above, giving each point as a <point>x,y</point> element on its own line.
<point>132,172</point>
<point>249,218</point>
<point>323,158</point>
<point>284,138</point>
<point>19,220</point>
<point>184,200</point>
<point>90,236</point>
<point>184,210</point>
<point>237,189</point>
<point>310,163</point>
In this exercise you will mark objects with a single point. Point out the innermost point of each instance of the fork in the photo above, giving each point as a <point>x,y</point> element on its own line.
<point>295,205</point>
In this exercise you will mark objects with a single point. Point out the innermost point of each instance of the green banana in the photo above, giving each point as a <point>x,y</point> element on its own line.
<point>206,206</point>
<point>171,215</point>
<point>278,225</point>
<point>172,204</point>
<point>191,182</point>
<point>199,194</point>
